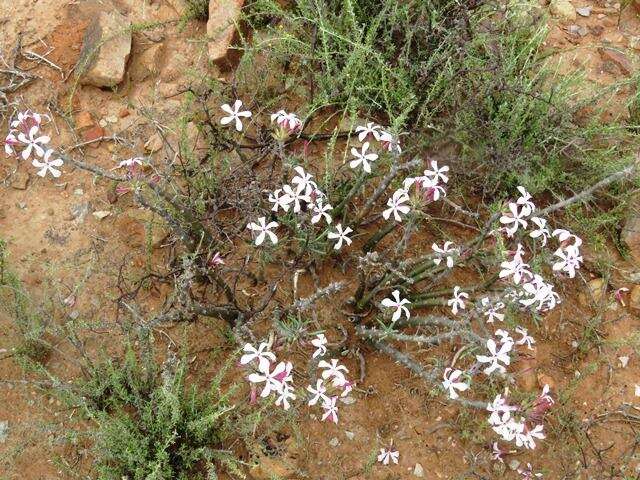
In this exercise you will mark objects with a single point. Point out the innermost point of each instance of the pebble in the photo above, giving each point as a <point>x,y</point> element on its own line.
<point>334,442</point>
<point>78,191</point>
<point>102,123</point>
<point>624,361</point>
<point>514,464</point>
<point>349,435</point>
<point>583,11</point>
<point>100,214</point>
<point>418,471</point>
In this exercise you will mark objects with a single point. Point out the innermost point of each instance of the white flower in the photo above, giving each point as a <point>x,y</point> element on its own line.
<point>303,180</point>
<point>431,190</point>
<point>48,165</point>
<point>396,205</point>
<point>389,455</point>
<point>565,235</point>
<point>234,114</point>
<point>491,310</point>
<point>500,410</point>
<point>296,196</point>
<point>398,304</point>
<point>525,202</point>
<point>10,142</point>
<point>330,409</point>
<point>333,370</point>
<point>504,336</point>
<point>496,357</point>
<point>446,251</point>
<point>290,121</point>
<point>390,143</point>
<point>262,354</point>
<point>537,290</point>
<point>27,119</point>
<point>32,142</point>
<point>569,262</point>
<point>320,211</point>
<point>527,437</point>
<point>130,162</point>
<point>280,201</point>
<point>542,231</point>
<point>516,268</point>
<point>340,235</point>
<point>437,174</point>
<point>457,302</point>
<point>526,338</point>
<point>451,384</point>
<point>286,393</point>
<point>362,157</point>
<point>515,220</point>
<point>318,393</point>
<point>320,342</point>
<point>371,128</point>
<point>273,380</point>
<point>265,230</point>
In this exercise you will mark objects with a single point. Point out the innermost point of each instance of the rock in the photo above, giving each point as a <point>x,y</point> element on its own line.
<point>154,143</point>
<point>526,372</point>
<point>578,30</point>
<point>94,133</point>
<point>4,431</point>
<point>616,57</point>
<point>562,10</point>
<point>583,11</point>
<point>334,442</point>
<point>224,15</point>
<point>514,464</point>
<point>634,298</point>
<point>597,288</point>
<point>20,180</point>
<point>84,120</point>
<point>147,63</point>
<point>79,212</point>
<point>630,234</point>
<point>418,471</point>
<point>105,50</point>
<point>269,468</point>
<point>544,379</point>
<point>624,361</point>
<point>349,435</point>
<point>100,214</point>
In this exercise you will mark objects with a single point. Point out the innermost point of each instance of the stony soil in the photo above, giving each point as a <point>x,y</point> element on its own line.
<point>63,251</point>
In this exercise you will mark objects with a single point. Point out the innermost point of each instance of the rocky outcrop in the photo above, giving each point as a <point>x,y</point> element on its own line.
<point>105,50</point>
<point>224,16</point>
<point>563,10</point>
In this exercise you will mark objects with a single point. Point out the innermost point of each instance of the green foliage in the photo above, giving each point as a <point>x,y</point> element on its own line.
<point>150,425</point>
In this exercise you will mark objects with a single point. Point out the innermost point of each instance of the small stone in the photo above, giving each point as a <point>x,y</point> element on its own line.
<point>154,143</point>
<point>106,47</point>
<point>562,10</point>
<point>21,205</point>
<point>79,212</point>
<point>100,214</point>
<point>4,431</point>
<point>78,191</point>
<point>600,16</point>
<point>147,64</point>
<point>20,180</point>
<point>544,379</point>
<point>514,464</point>
<point>111,119</point>
<point>597,289</point>
<point>334,442</point>
<point>637,390</point>
<point>124,113</point>
<point>418,471</point>
<point>634,298</point>
<point>583,11</point>
<point>624,361</point>
<point>224,15</point>
<point>84,120</point>
<point>93,134</point>
<point>103,122</point>
<point>349,435</point>
<point>616,57</point>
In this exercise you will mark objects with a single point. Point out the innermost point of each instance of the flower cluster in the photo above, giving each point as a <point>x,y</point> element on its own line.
<point>25,137</point>
<point>277,378</point>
